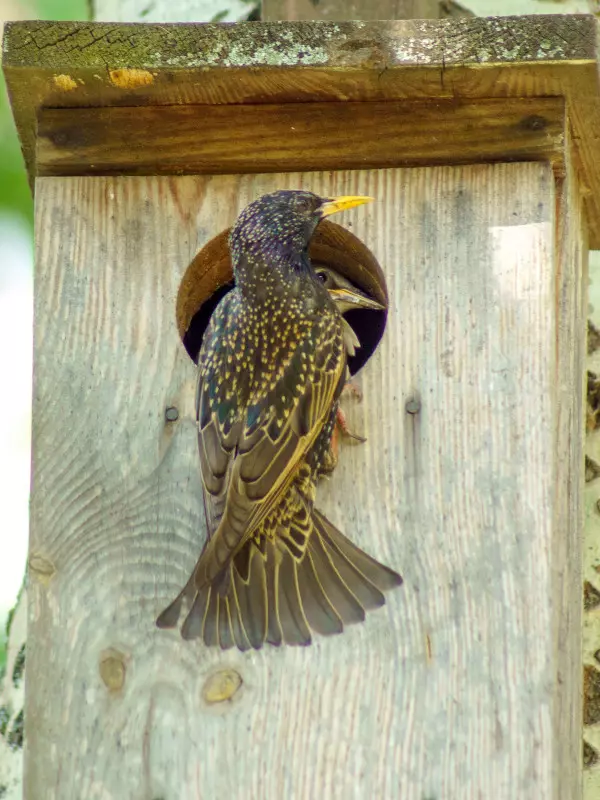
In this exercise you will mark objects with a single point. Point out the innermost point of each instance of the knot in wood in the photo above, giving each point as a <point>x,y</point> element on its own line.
<point>41,568</point>
<point>221,686</point>
<point>534,122</point>
<point>112,669</point>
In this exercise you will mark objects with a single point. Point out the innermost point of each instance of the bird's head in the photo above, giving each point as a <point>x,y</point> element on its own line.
<point>282,223</point>
<point>344,294</point>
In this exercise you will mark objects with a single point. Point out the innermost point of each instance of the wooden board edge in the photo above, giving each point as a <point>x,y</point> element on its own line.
<point>98,64</point>
<point>298,137</point>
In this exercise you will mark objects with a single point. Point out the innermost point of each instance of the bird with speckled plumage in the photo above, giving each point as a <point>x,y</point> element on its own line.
<point>272,367</point>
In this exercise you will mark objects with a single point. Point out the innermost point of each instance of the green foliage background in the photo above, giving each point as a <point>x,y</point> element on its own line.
<point>15,196</point>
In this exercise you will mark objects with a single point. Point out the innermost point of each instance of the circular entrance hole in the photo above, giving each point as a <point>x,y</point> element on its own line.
<point>209,277</point>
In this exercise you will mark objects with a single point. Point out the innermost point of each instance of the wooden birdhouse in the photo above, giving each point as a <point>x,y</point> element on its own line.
<point>479,140</point>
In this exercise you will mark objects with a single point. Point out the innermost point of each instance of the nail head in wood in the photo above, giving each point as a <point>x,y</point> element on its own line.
<point>413,405</point>
<point>172,414</point>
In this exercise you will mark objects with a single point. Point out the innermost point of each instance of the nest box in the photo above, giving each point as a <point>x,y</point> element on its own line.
<point>479,139</point>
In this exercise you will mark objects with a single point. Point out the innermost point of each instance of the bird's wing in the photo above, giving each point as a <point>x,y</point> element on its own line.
<point>248,460</point>
<point>217,434</point>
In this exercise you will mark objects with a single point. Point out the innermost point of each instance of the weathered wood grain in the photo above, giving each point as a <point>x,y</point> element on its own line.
<point>572,310</point>
<point>460,686</point>
<point>101,64</point>
<point>298,136</point>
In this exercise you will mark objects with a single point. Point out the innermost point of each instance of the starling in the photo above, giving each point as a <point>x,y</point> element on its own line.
<point>346,297</point>
<point>271,370</point>
<point>343,292</point>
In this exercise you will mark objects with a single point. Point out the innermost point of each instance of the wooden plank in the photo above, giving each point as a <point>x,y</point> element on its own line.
<point>297,136</point>
<point>303,10</point>
<point>572,311</point>
<point>455,688</point>
<point>103,64</point>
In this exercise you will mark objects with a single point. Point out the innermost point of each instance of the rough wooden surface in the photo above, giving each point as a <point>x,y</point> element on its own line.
<point>292,10</point>
<point>456,688</point>
<point>101,64</point>
<point>298,136</point>
<point>571,298</point>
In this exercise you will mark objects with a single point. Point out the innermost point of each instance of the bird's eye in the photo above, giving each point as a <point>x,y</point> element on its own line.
<point>326,278</point>
<point>302,203</point>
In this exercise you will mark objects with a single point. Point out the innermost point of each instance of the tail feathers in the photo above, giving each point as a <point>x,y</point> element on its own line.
<point>280,598</point>
<point>170,616</point>
<point>367,568</point>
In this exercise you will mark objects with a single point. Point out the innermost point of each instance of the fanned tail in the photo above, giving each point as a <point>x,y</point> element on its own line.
<point>279,591</point>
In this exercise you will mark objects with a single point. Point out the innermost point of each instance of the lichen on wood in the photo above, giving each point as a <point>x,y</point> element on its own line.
<point>81,64</point>
<point>336,44</point>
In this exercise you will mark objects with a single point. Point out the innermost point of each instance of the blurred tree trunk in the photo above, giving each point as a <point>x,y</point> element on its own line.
<point>11,703</point>
<point>174,10</point>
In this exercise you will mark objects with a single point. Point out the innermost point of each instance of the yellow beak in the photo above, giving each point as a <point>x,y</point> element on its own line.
<point>342,203</point>
<point>346,299</point>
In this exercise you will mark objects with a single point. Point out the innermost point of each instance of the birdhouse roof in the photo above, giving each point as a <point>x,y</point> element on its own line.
<point>102,98</point>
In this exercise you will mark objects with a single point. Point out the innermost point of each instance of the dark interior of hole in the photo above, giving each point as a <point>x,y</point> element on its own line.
<point>368,325</point>
<point>192,339</point>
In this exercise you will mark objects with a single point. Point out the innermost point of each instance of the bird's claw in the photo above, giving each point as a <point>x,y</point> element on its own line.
<point>341,428</point>
<point>353,390</point>
<point>341,422</point>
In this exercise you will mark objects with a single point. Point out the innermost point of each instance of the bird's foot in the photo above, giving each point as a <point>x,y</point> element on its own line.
<point>341,424</point>
<point>341,429</point>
